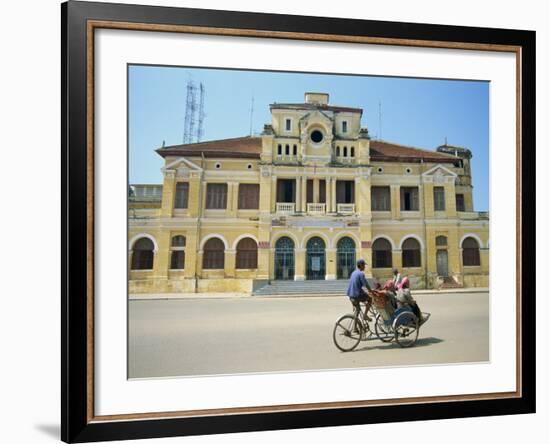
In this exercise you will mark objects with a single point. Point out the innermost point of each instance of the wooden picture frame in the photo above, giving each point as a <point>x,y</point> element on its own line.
<point>79,22</point>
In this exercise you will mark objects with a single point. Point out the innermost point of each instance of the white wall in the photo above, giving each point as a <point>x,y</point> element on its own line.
<point>29,312</point>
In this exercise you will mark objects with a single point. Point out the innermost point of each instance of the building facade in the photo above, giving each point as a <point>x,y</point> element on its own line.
<point>305,200</point>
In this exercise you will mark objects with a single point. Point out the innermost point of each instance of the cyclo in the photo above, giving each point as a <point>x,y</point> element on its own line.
<point>396,318</point>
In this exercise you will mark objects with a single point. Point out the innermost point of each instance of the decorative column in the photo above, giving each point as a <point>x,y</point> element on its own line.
<point>333,196</point>
<point>299,264</point>
<point>161,261</point>
<point>395,202</point>
<point>273,194</point>
<point>235,197</point>
<point>330,264</point>
<point>454,255</point>
<point>316,190</point>
<point>264,253</point>
<point>450,197</point>
<point>328,194</point>
<point>265,191</point>
<point>190,268</point>
<point>427,188</point>
<point>366,253</point>
<point>229,263</point>
<point>298,194</point>
<point>232,196</point>
<point>396,258</point>
<point>304,194</point>
<point>168,191</point>
<point>194,194</point>
<point>358,195</point>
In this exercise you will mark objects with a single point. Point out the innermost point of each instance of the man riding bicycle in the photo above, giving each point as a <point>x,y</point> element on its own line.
<point>359,288</point>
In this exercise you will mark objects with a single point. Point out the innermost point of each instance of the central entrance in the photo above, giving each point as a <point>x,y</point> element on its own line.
<point>284,259</point>
<point>315,259</point>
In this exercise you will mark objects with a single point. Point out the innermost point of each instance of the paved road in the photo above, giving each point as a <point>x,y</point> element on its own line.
<point>242,335</point>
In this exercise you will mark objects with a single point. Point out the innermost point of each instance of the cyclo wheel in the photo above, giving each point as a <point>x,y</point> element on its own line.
<point>347,332</point>
<point>405,326</point>
<point>383,332</point>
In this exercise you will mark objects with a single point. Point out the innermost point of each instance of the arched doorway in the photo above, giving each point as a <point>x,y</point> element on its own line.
<point>382,253</point>
<point>442,257</point>
<point>315,259</point>
<point>345,257</point>
<point>143,254</point>
<point>470,253</point>
<point>284,259</point>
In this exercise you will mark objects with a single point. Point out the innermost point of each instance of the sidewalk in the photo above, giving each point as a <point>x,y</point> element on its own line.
<point>160,296</point>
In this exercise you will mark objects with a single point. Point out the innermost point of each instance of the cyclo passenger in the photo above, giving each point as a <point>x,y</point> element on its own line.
<point>359,289</point>
<point>405,299</point>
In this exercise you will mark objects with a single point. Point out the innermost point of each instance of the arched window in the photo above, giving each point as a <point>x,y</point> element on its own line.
<point>411,253</point>
<point>247,253</point>
<point>352,152</point>
<point>143,254</point>
<point>213,254</point>
<point>338,151</point>
<point>345,257</point>
<point>284,259</point>
<point>381,254</point>
<point>177,258</point>
<point>470,252</point>
<point>345,151</point>
<point>441,241</point>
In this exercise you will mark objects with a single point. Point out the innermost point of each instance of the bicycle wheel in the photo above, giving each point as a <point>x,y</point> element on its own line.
<point>405,327</point>
<point>347,332</point>
<point>383,331</point>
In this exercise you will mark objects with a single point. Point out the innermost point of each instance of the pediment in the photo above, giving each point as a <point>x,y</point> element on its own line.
<point>439,174</point>
<point>315,117</point>
<point>182,167</point>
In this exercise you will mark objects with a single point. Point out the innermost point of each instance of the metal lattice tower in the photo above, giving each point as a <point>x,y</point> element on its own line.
<point>190,111</point>
<point>200,129</point>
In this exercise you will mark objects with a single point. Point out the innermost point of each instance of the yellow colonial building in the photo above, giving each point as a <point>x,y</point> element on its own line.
<point>304,201</point>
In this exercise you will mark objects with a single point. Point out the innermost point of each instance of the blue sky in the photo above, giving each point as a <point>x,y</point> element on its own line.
<point>415,112</point>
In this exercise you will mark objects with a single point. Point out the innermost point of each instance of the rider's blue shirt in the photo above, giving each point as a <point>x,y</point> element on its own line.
<point>357,280</point>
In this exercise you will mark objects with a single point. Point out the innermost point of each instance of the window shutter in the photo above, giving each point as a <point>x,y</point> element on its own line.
<point>249,196</point>
<point>182,195</point>
<point>216,196</point>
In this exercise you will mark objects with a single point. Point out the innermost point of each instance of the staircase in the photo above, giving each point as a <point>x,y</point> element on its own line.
<point>303,288</point>
<point>449,282</point>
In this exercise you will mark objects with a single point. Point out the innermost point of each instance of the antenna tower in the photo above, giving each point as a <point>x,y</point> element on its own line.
<point>379,120</point>
<point>200,129</point>
<point>251,113</point>
<point>190,111</point>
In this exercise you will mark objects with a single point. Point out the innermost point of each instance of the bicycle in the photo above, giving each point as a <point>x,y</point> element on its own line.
<point>390,324</point>
<point>351,329</point>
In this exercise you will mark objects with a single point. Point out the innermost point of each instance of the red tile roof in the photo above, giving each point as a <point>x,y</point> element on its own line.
<point>391,152</point>
<point>243,147</point>
<point>251,147</point>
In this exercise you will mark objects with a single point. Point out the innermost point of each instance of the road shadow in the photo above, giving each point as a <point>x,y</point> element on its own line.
<point>51,430</point>
<point>422,342</point>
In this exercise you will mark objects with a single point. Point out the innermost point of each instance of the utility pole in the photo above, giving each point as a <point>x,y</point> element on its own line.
<point>379,120</point>
<point>200,129</point>
<point>251,113</point>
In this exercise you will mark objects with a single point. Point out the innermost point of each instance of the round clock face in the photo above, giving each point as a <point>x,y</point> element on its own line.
<point>316,136</point>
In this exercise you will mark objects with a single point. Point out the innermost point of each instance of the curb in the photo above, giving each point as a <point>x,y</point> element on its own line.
<point>203,296</point>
